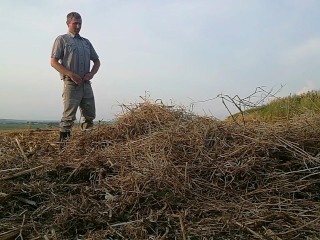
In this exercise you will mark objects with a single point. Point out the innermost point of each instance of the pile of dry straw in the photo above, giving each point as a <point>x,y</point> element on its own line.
<point>160,172</point>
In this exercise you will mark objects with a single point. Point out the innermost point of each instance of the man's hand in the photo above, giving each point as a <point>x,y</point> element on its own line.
<point>94,70</point>
<point>75,78</point>
<point>88,76</point>
<point>65,72</point>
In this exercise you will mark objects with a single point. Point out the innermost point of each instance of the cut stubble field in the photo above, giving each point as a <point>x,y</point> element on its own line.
<point>159,172</point>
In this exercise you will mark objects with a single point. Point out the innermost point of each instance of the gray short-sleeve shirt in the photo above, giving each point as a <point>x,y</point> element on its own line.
<point>74,53</point>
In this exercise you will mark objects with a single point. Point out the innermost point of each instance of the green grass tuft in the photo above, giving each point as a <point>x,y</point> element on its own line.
<point>286,108</point>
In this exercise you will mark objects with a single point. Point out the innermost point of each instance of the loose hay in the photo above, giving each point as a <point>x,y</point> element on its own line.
<point>159,172</point>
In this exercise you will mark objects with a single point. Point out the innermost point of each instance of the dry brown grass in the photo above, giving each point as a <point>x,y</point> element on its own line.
<point>160,173</point>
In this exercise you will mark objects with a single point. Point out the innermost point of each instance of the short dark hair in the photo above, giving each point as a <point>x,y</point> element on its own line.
<point>73,15</point>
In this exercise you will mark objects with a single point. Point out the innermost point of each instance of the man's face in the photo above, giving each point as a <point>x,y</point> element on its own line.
<point>74,25</point>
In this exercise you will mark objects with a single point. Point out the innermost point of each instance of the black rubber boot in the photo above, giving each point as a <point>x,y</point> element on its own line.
<point>64,136</point>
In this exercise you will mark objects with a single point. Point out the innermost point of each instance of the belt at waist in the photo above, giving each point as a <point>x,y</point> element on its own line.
<point>66,78</point>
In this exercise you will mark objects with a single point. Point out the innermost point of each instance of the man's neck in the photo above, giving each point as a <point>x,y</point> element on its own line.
<point>74,35</point>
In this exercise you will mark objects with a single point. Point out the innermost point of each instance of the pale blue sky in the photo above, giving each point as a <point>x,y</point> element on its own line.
<point>179,51</point>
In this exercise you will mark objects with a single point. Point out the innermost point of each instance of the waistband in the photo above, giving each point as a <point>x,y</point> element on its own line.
<point>67,78</point>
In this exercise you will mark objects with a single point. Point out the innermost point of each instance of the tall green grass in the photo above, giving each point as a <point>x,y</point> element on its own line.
<point>287,107</point>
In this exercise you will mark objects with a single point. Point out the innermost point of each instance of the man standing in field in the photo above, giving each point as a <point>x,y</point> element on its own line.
<point>71,56</point>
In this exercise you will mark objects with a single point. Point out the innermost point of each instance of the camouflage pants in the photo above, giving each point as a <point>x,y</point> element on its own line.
<point>74,97</point>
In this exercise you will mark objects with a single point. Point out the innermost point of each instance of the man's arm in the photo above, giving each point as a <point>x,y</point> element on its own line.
<point>64,71</point>
<point>94,70</point>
